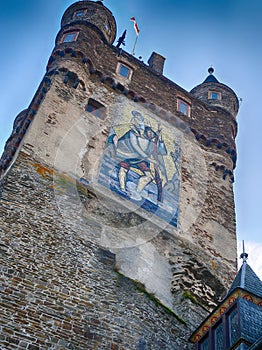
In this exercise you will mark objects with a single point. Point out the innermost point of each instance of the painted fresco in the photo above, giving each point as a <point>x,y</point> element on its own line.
<point>141,162</point>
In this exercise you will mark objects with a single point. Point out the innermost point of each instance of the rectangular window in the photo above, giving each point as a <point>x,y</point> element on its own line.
<point>234,132</point>
<point>124,70</point>
<point>183,107</point>
<point>107,26</point>
<point>69,37</point>
<point>214,95</point>
<point>79,13</point>
<point>204,345</point>
<point>234,329</point>
<point>219,337</point>
<point>96,108</point>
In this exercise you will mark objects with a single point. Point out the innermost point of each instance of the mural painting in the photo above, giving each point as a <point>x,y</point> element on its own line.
<point>141,162</point>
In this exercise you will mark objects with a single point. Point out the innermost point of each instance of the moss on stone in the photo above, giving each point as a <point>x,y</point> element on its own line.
<point>141,288</point>
<point>187,295</point>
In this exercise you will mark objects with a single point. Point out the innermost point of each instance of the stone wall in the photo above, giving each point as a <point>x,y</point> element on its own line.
<point>60,290</point>
<point>84,267</point>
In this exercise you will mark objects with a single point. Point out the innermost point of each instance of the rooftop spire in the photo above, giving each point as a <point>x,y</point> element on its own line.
<point>246,278</point>
<point>211,70</point>
<point>211,78</point>
<point>244,255</point>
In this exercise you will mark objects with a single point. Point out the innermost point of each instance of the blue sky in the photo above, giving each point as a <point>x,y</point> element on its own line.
<point>192,35</point>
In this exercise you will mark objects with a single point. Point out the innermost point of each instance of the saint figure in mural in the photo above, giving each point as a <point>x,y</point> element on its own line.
<point>141,148</point>
<point>142,164</point>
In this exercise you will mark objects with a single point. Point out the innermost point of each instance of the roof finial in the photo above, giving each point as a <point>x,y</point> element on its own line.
<point>211,70</point>
<point>244,255</point>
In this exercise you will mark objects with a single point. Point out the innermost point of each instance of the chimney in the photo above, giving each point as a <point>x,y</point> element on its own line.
<point>156,63</point>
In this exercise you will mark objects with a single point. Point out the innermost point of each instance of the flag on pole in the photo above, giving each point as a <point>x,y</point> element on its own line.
<point>135,25</point>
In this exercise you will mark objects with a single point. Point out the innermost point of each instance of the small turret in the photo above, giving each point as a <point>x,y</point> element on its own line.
<point>93,14</point>
<point>237,322</point>
<point>216,94</point>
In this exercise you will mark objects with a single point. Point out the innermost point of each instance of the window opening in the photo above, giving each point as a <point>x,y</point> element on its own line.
<point>107,26</point>
<point>219,337</point>
<point>79,13</point>
<point>234,330</point>
<point>124,71</point>
<point>204,345</point>
<point>183,107</point>
<point>69,37</point>
<point>96,108</point>
<point>214,95</point>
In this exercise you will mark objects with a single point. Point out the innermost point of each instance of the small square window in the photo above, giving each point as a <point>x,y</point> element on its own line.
<point>124,71</point>
<point>214,95</point>
<point>69,37</point>
<point>183,107</point>
<point>96,108</point>
<point>79,13</point>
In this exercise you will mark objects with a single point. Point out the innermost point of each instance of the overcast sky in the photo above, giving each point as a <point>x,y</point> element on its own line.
<point>192,35</point>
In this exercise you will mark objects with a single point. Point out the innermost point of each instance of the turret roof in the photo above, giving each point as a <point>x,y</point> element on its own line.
<point>247,279</point>
<point>211,79</point>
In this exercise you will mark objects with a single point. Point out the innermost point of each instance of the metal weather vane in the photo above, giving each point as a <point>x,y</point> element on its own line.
<point>244,255</point>
<point>121,40</point>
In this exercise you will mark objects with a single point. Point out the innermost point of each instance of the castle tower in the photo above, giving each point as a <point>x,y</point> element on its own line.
<point>216,94</point>
<point>90,14</point>
<point>117,205</point>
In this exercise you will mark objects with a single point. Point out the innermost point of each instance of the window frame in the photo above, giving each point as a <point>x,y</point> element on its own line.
<point>233,308</point>
<point>210,95</point>
<point>130,70</point>
<point>224,320</point>
<point>213,333</point>
<point>203,340</point>
<point>75,32</point>
<point>107,26</point>
<point>78,11</point>
<point>234,132</point>
<point>181,101</point>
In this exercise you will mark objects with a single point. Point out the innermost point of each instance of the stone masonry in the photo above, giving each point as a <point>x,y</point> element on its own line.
<point>84,268</point>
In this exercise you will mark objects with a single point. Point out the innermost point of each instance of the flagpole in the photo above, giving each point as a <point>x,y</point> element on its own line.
<point>137,32</point>
<point>133,51</point>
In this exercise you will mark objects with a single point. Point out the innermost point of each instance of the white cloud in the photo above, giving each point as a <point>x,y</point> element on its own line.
<point>254,250</point>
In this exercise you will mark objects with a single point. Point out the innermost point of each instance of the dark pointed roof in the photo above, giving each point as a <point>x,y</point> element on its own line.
<point>247,279</point>
<point>211,79</point>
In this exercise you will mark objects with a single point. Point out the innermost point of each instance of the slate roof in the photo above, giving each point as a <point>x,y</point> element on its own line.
<point>257,345</point>
<point>247,280</point>
<point>250,320</point>
<point>211,79</point>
